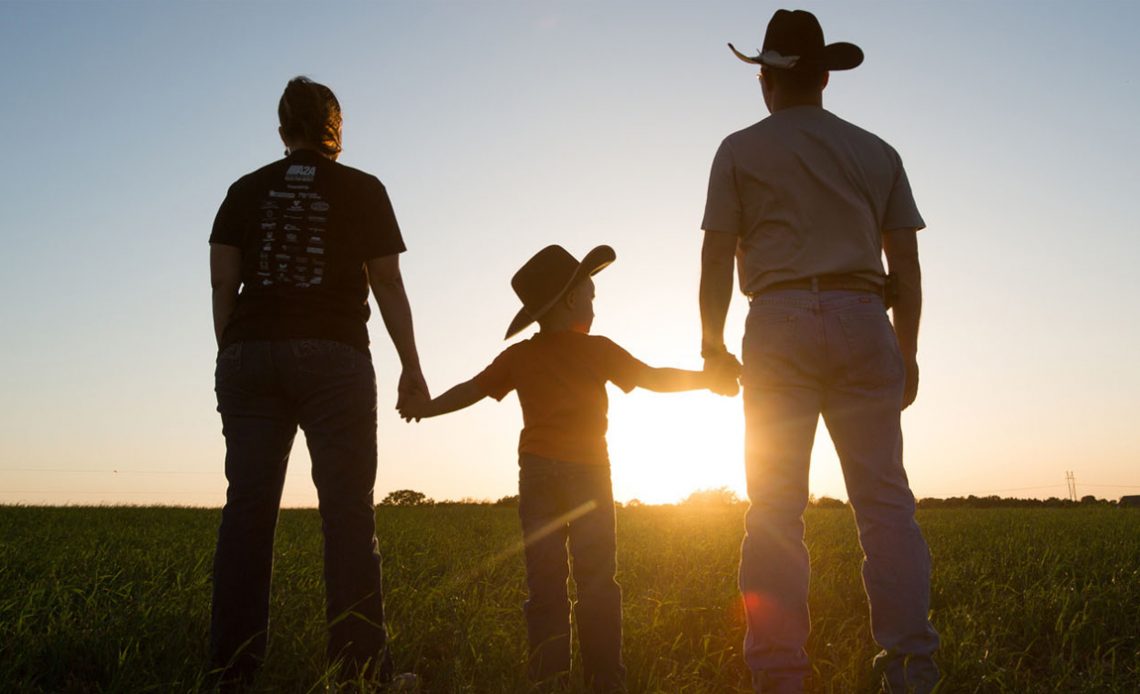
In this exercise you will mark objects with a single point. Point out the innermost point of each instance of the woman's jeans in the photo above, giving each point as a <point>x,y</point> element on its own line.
<point>834,354</point>
<point>573,503</point>
<point>265,391</point>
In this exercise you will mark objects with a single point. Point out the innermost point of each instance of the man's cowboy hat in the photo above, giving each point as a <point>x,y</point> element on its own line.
<point>795,39</point>
<point>548,276</point>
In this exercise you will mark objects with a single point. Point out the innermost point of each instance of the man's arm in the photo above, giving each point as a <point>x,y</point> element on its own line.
<point>901,249</point>
<point>225,280</point>
<point>718,254</point>
<point>388,287</point>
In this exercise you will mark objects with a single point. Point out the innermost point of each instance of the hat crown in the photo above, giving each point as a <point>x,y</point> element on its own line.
<point>794,32</point>
<point>544,277</point>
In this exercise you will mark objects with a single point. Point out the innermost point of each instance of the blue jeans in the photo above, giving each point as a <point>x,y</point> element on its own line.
<point>561,502</point>
<point>265,391</point>
<point>834,354</point>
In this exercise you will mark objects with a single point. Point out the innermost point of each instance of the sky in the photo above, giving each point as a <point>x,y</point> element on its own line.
<point>501,127</point>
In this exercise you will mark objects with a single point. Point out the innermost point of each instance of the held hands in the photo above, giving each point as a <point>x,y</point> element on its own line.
<point>414,410</point>
<point>413,395</point>
<point>723,373</point>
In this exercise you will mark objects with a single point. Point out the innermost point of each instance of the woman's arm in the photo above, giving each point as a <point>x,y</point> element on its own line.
<point>463,395</point>
<point>225,280</point>
<point>388,286</point>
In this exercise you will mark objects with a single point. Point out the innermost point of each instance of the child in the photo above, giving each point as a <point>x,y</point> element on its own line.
<point>564,474</point>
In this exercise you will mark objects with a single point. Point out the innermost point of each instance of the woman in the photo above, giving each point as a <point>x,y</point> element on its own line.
<point>303,238</point>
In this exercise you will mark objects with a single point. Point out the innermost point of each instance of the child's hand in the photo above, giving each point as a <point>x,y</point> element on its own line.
<point>723,372</point>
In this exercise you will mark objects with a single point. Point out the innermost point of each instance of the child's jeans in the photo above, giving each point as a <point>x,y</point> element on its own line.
<point>562,502</point>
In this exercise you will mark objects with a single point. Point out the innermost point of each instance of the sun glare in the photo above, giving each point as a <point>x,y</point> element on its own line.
<point>664,447</point>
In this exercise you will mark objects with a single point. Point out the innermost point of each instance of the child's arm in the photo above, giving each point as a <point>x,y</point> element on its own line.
<point>463,395</point>
<point>672,381</point>
<point>666,380</point>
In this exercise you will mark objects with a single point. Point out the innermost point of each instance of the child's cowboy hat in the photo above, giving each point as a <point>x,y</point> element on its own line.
<point>795,39</point>
<point>548,276</point>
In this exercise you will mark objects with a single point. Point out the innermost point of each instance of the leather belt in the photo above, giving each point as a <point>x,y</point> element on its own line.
<point>825,283</point>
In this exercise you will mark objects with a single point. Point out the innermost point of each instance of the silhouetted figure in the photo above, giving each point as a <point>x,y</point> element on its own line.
<point>807,203</point>
<point>303,238</point>
<point>564,469</point>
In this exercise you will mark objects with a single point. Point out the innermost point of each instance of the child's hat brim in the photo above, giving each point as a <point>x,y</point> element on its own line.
<point>593,263</point>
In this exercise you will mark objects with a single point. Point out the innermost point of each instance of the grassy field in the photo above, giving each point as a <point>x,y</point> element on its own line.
<point>117,599</point>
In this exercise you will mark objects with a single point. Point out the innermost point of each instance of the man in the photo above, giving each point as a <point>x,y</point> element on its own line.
<point>808,203</point>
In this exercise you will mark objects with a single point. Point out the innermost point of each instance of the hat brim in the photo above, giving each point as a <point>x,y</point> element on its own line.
<point>593,263</point>
<point>835,56</point>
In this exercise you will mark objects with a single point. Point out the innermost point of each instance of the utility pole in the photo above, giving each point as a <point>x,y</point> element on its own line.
<point>1071,480</point>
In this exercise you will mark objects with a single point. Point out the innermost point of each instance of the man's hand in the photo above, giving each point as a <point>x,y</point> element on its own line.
<point>910,390</point>
<point>724,370</point>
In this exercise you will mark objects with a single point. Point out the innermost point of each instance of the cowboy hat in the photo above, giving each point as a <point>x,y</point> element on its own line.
<point>795,39</point>
<point>547,277</point>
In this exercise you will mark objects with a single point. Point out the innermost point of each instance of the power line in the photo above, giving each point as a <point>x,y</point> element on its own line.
<point>115,472</point>
<point>1020,489</point>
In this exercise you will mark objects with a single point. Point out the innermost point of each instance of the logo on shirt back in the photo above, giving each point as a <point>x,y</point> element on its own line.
<point>300,173</point>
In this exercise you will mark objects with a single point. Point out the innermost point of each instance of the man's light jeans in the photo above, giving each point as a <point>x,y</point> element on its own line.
<point>833,354</point>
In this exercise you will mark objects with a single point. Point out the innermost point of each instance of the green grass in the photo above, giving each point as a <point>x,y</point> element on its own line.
<point>117,599</point>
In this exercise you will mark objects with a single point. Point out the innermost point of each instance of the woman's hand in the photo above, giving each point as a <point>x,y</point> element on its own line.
<point>412,390</point>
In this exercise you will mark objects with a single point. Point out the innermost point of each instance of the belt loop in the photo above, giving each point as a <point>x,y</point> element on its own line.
<point>815,285</point>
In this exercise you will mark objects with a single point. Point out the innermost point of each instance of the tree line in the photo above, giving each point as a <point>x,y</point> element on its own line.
<point>723,496</point>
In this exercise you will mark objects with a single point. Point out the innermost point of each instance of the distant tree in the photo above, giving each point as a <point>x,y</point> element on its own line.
<point>721,496</point>
<point>1089,499</point>
<point>407,497</point>
<point>633,503</point>
<point>508,501</point>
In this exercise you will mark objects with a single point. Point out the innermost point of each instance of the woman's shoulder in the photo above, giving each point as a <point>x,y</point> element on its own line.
<point>358,177</point>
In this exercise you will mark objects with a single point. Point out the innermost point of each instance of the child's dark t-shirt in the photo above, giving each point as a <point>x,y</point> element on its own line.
<point>561,380</point>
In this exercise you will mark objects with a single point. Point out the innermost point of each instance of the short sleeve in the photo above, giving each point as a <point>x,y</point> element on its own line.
<point>496,381</point>
<point>722,206</point>
<point>380,231</point>
<point>622,369</point>
<point>901,211</point>
<point>228,228</point>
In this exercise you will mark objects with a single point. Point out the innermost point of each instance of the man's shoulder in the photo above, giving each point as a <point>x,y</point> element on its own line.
<point>758,129</point>
<point>855,132</point>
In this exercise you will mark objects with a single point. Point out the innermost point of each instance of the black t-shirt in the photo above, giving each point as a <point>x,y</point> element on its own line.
<point>305,226</point>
